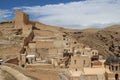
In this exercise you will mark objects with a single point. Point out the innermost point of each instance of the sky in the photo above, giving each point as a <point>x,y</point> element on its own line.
<point>75,14</point>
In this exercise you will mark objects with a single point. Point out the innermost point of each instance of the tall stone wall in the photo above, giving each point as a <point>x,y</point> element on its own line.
<point>21,18</point>
<point>44,44</point>
<point>22,22</point>
<point>44,33</point>
<point>46,27</point>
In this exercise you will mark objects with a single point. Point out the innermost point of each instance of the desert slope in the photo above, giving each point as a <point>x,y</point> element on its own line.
<point>106,40</point>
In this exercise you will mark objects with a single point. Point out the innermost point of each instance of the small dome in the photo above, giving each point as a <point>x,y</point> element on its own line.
<point>112,59</point>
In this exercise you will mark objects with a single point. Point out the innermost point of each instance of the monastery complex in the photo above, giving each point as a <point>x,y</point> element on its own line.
<point>49,48</point>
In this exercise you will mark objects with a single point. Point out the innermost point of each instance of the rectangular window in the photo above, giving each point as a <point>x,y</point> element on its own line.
<point>116,68</point>
<point>113,68</point>
<point>76,69</point>
<point>83,53</point>
<point>74,61</point>
<point>75,42</point>
<point>66,43</point>
<point>83,62</point>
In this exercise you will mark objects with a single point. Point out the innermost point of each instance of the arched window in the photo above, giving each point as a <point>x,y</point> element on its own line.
<point>116,77</point>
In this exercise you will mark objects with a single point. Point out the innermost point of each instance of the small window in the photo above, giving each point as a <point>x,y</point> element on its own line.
<point>63,38</point>
<point>76,69</point>
<point>83,53</point>
<point>75,42</point>
<point>96,53</point>
<point>83,61</point>
<point>66,43</point>
<point>116,76</point>
<point>67,39</point>
<point>112,68</point>
<point>64,35</point>
<point>116,68</point>
<point>93,53</point>
<point>23,65</point>
<point>74,61</point>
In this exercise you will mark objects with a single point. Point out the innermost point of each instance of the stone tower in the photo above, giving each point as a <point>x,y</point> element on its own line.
<point>22,22</point>
<point>21,19</point>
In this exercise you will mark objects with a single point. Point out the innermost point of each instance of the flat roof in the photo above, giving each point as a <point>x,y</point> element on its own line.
<point>75,73</point>
<point>88,71</point>
<point>30,56</point>
<point>92,71</point>
<point>1,60</point>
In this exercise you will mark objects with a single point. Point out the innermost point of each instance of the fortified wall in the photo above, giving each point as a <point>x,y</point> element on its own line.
<point>22,22</point>
<point>42,42</point>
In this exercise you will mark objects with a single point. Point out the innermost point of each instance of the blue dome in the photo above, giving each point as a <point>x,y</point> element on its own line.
<point>112,59</point>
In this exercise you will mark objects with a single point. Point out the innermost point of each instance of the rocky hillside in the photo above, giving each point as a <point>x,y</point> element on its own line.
<point>9,41</point>
<point>106,40</point>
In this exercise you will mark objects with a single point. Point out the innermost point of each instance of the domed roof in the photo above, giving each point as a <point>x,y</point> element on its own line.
<point>112,59</point>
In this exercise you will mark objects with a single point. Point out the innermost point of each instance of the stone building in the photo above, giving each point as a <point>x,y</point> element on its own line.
<point>41,42</point>
<point>82,67</point>
<point>86,65</point>
<point>78,62</point>
<point>112,64</point>
<point>47,45</point>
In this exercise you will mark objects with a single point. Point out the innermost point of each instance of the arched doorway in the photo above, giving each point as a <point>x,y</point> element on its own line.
<point>116,76</point>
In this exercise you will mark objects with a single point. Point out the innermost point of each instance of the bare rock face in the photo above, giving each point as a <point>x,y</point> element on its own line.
<point>106,40</point>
